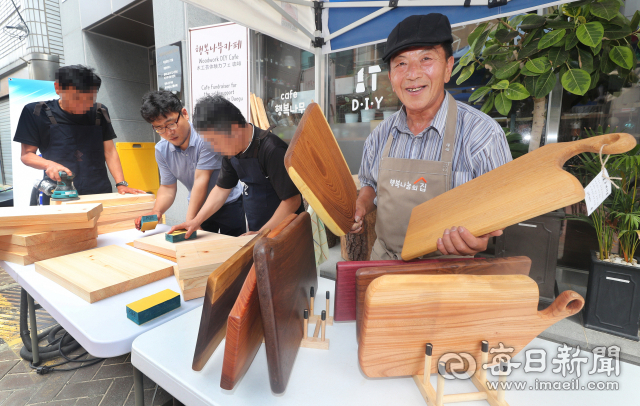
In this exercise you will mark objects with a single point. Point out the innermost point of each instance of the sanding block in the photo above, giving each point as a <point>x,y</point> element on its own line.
<point>148,222</point>
<point>179,235</point>
<point>153,306</point>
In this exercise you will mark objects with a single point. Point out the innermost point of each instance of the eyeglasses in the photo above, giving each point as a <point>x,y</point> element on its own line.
<point>171,126</point>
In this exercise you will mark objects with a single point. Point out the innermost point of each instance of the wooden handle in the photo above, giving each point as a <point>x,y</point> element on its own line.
<point>565,305</point>
<point>615,143</point>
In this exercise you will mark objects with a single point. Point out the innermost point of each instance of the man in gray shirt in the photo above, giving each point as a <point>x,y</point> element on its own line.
<point>182,155</point>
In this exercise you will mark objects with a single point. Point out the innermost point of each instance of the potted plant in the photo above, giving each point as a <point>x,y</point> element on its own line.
<point>345,109</point>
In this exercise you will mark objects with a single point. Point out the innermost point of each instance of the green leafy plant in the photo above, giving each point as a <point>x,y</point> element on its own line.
<point>581,43</point>
<point>516,146</point>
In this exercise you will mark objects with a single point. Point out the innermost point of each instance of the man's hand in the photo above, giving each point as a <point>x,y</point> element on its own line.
<point>249,233</point>
<point>139,219</point>
<point>126,189</point>
<point>53,169</point>
<point>358,219</point>
<point>190,226</point>
<point>459,241</point>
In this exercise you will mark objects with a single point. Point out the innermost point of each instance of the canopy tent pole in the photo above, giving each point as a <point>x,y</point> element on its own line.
<point>408,3</point>
<point>318,77</point>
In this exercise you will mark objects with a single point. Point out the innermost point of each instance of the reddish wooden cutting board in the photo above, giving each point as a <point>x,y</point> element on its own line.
<point>454,313</point>
<point>480,266</point>
<point>316,166</point>
<point>345,296</point>
<point>286,271</point>
<point>223,287</point>
<point>244,326</point>
<point>529,186</point>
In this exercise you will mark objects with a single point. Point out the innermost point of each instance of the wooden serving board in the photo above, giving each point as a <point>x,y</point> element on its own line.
<point>33,215</point>
<point>202,258</point>
<point>222,289</point>
<point>110,199</point>
<point>46,251</point>
<point>316,166</point>
<point>529,186</point>
<point>103,272</point>
<point>402,313</point>
<point>479,266</point>
<point>42,228</point>
<point>286,271</point>
<point>244,325</point>
<point>344,305</point>
<point>158,244</point>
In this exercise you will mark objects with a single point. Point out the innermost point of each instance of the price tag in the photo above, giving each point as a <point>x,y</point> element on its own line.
<point>596,191</point>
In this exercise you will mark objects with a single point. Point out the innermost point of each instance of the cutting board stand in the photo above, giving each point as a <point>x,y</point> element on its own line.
<point>318,340</point>
<point>436,397</point>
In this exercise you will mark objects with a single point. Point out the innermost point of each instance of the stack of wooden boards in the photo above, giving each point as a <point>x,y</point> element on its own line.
<point>196,259</point>
<point>120,211</point>
<point>258,113</point>
<point>34,233</point>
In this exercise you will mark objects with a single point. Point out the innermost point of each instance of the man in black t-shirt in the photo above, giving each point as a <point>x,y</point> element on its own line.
<point>74,134</point>
<point>252,155</point>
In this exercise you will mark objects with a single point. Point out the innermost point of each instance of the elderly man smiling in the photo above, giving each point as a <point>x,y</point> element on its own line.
<point>431,145</point>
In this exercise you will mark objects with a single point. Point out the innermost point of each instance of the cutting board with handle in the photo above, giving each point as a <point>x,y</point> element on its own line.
<point>104,272</point>
<point>455,313</point>
<point>316,166</point>
<point>529,186</point>
<point>286,271</point>
<point>244,325</point>
<point>344,307</point>
<point>479,266</point>
<point>223,287</point>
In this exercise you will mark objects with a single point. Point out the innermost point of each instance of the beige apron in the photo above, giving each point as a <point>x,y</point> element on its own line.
<point>405,183</point>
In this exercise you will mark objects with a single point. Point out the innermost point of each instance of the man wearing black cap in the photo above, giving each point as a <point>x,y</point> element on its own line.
<point>428,147</point>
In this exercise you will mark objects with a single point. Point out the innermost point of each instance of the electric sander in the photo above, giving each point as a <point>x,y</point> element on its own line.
<point>62,191</point>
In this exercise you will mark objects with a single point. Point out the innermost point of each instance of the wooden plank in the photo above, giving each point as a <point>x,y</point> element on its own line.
<point>222,289</point>
<point>529,186</point>
<point>316,166</point>
<point>67,236</point>
<point>40,228</point>
<point>116,226</point>
<point>262,114</point>
<point>202,258</point>
<point>196,287</point>
<point>103,272</point>
<point>244,325</point>
<point>157,242</point>
<point>111,199</point>
<point>454,313</point>
<point>286,270</point>
<point>52,251</point>
<point>126,208</point>
<point>31,215</point>
<point>117,217</point>
<point>253,110</point>
<point>479,266</point>
<point>154,253</point>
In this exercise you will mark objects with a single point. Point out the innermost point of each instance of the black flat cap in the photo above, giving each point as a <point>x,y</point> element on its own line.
<point>418,30</point>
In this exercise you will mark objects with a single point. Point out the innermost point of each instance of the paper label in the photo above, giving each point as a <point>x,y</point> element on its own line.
<point>596,191</point>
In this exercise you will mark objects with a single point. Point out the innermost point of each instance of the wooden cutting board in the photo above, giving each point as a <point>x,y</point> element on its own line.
<point>53,226</point>
<point>286,271</point>
<point>118,217</point>
<point>244,326</point>
<point>316,166</point>
<point>222,289</point>
<point>46,251</point>
<point>344,306</point>
<point>110,199</point>
<point>454,313</point>
<point>32,215</point>
<point>479,266</point>
<point>127,208</point>
<point>529,186</point>
<point>104,272</point>
<point>157,243</point>
<point>202,258</point>
<point>66,236</point>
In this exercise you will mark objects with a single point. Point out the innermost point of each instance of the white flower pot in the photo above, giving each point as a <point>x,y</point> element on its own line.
<point>351,118</point>
<point>367,115</point>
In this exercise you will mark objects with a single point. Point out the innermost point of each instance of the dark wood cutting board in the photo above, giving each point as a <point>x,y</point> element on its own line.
<point>286,271</point>
<point>345,295</point>
<point>480,266</point>
<point>223,287</point>
<point>244,326</point>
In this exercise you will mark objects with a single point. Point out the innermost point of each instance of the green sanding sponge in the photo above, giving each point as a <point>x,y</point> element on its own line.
<point>148,222</point>
<point>179,235</point>
<point>153,306</point>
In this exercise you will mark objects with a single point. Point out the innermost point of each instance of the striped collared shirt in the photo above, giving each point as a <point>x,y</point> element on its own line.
<point>480,144</point>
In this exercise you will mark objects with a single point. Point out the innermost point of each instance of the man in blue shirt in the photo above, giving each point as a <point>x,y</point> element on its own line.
<point>182,155</point>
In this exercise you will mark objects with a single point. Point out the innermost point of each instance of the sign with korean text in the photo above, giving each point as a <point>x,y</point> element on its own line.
<point>169,67</point>
<point>219,56</point>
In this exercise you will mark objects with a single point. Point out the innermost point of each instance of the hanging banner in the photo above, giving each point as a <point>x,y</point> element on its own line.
<point>219,56</point>
<point>169,68</point>
<point>21,93</point>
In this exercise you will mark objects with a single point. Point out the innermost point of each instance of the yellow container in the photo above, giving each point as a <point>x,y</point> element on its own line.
<point>139,165</point>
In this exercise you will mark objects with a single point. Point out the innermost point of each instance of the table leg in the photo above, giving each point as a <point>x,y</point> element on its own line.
<point>138,390</point>
<point>33,331</point>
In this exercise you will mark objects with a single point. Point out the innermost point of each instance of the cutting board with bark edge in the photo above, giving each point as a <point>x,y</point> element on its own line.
<point>479,266</point>
<point>244,325</point>
<point>402,313</point>
<point>529,186</point>
<point>318,168</point>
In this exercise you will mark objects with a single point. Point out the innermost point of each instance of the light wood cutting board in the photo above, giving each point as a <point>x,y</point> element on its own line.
<point>110,199</point>
<point>31,215</point>
<point>157,243</point>
<point>202,258</point>
<point>68,236</point>
<point>47,227</point>
<point>529,186</point>
<point>316,166</point>
<point>104,272</point>
<point>402,313</point>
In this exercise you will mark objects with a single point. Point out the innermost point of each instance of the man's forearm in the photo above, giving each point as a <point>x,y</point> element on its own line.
<point>285,208</point>
<point>198,196</point>
<point>164,199</point>
<point>35,161</point>
<point>214,202</point>
<point>114,165</point>
<point>365,199</point>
